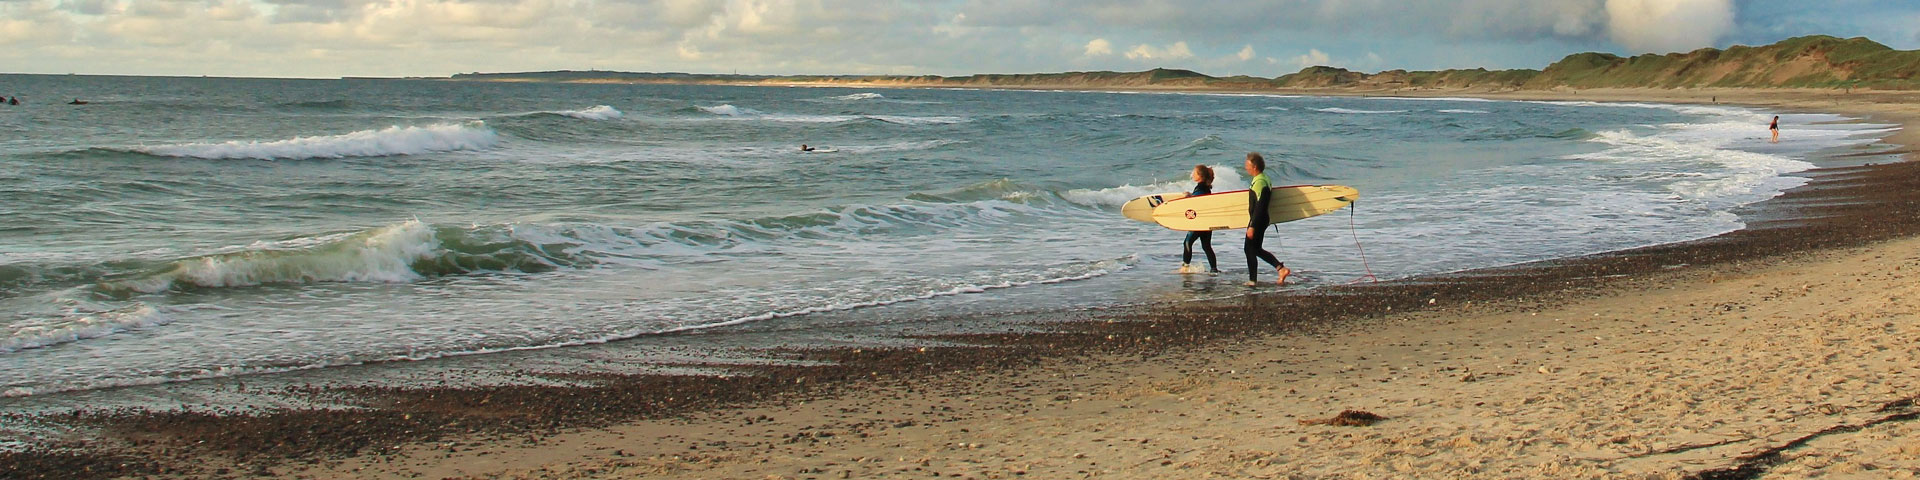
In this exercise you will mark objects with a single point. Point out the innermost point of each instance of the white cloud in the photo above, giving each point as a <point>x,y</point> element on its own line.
<point>1660,26</point>
<point>1099,47</point>
<point>1176,51</point>
<point>437,37</point>
<point>1313,57</point>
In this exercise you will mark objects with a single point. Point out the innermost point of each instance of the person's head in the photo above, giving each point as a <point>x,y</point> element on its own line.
<point>1256,163</point>
<point>1203,174</point>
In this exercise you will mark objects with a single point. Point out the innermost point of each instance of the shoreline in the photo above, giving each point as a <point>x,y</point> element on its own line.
<point>1134,339</point>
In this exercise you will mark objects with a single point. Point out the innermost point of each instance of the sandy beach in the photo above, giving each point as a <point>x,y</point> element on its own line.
<point>1783,350</point>
<point>1657,377</point>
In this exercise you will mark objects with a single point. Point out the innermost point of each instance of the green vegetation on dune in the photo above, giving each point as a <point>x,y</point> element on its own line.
<point>1809,62</point>
<point>1816,61</point>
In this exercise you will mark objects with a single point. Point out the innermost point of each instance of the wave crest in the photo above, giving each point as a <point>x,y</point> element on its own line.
<point>390,141</point>
<point>729,110</point>
<point>732,111</point>
<point>382,255</point>
<point>597,112</point>
<point>1355,111</point>
<point>1224,178</point>
<point>77,328</point>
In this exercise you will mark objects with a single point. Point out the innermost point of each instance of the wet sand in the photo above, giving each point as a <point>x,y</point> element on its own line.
<point>1699,358</point>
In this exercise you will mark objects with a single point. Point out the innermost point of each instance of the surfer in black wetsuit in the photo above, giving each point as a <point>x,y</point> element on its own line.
<point>13,100</point>
<point>805,148</point>
<point>1203,184</point>
<point>1259,200</point>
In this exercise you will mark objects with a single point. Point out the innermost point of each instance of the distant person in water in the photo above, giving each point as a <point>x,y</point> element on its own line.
<point>1259,200</point>
<point>1775,127</point>
<point>77,102</point>
<point>805,148</point>
<point>13,101</point>
<point>1203,184</point>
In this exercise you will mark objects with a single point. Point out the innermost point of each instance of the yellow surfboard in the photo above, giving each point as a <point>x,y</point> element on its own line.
<point>1225,210</point>
<point>1141,209</point>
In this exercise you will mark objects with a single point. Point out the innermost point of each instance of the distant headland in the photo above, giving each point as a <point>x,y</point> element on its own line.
<point>1816,61</point>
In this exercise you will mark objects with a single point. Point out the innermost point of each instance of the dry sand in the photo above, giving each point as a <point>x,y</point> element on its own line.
<point>1808,357</point>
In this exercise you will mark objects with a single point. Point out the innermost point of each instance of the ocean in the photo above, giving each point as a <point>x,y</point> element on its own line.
<point>175,229</point>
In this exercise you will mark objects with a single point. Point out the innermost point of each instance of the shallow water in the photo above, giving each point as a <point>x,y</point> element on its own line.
<point>189,228</point>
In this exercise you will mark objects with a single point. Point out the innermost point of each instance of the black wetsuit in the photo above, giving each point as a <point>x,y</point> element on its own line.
<point>1205,238</point>
<point>1258,201</point>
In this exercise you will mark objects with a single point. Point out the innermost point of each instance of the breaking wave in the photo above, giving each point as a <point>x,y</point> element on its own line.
<point>1354,111</point>
<point>390,141</point>
<point>736,112</point>
<point>597,112</point>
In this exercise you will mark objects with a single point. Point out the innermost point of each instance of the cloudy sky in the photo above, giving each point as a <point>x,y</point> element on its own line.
<point>331,38</point>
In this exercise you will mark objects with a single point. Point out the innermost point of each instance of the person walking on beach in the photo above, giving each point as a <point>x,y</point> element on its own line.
<point>1258,201</point>
<point>1775,127</point>
<point>1203,184</point>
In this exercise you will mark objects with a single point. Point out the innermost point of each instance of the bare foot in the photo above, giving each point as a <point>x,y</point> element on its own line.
<point>1283,273</point>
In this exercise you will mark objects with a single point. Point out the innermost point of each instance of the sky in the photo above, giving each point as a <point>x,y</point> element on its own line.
<point>334,38</point>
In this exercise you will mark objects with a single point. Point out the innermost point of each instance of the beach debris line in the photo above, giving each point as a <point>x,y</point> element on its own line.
<point>1348,418</point>
<point>1754,465</point>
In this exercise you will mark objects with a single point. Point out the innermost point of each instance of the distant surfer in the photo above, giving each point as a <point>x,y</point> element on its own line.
<point>1775,127</point>
<point>805,148</point>
<point>13,100</point>
<point>77,102</point>
<point>1203,184</point>
<point>1258,202</point>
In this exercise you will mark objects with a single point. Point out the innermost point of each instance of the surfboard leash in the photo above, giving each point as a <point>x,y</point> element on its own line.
<point>1355,231</point>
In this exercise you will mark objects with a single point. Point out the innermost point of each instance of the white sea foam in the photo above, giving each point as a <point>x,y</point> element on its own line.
<point>72,328</point>
<point>389,141</point>
<point>1354,111</point>
<point>736,112</point>
<point>1094,270</point>
<point>1461,110</point>
<point>900,146</point>
<point>382,255</point>
<point>860,96</point>
<point>729,110</point>
<point>597,112</point>
<point>1224,178</point>
<point>1732,177</point>
<point>1433,99</point>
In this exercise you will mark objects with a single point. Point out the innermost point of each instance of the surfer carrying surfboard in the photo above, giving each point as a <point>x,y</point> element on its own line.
<point>1259,200</point>
<point>1203,184</point>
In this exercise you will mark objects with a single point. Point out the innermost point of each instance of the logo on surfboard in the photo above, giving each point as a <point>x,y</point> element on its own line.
<point>1191,215</point>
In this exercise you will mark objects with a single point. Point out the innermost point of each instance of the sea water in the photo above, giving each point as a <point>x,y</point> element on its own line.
<point>180,228</point>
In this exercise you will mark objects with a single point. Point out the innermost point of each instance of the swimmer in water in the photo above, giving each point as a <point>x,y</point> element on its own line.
<point>805,148</point>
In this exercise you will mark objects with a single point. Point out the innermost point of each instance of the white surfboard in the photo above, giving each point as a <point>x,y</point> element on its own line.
<point>1228,210</point>
<point>1141,209</point>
